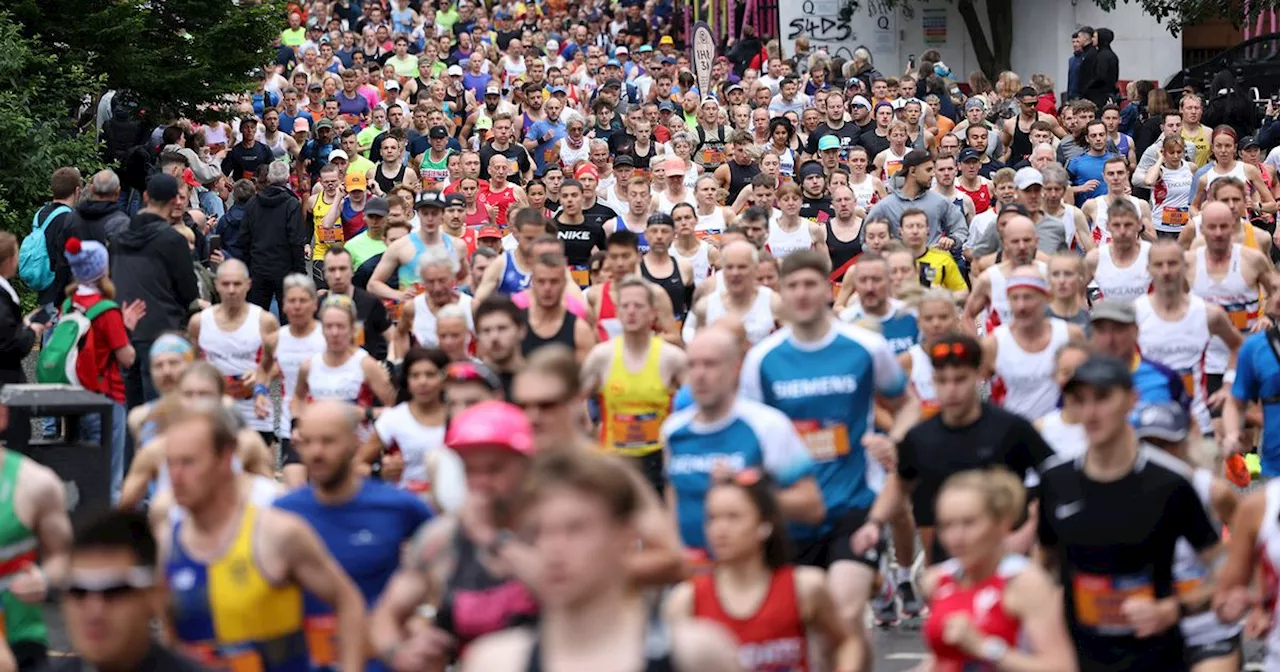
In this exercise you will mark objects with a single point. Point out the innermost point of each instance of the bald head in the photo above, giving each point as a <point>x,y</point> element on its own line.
<point>1216,211</point>
<point>734,326</point>
<point>233,269</point>
<point>1019,226</point>
<point>717,343</point>
<point>740,252</point>
<point>331,417</point>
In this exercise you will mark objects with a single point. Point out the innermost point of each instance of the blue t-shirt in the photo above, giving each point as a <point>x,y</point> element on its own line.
<point>827,389</point>
<point>286,120</point>
<point>545,133</point>
<point>1258,378</point>
<point>752,435</point>
<point>899,326</point>
<point>1159,384</point>
<point>364,535</point>
<point>1088,167</point>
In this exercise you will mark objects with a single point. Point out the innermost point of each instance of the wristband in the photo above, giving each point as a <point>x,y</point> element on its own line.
<point>1229,376</point>
<point>261,389</point>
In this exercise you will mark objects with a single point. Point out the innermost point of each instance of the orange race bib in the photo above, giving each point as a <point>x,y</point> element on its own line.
<point>1175,216</point>
<point>826,439</point>
<point>1189,383</point>
<point>581,275</point>
<point>227,659</point>
<point>1099,598</point>
<point>329,234</point>
<point>360,334</point>
<point>1242,318</point>
<point>929,408</point>
<point>322,639</point>
<point>891,167</point>
<point>632,431</point>
<point>713,155</point>
<point>235,388</point>
<point>710,235</point>
<point>1188,586</point>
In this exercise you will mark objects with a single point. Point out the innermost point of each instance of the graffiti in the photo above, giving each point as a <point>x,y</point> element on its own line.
<point>821,29</point>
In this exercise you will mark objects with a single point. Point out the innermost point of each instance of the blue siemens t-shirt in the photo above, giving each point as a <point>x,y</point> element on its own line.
<point>1258,378</point>
<point>899,326</point>
<point>827,388</point>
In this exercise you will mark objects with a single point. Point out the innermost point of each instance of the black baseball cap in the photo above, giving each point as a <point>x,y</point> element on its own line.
<point>915,157</point>
<point>429,199</point>
<point>438,132</point>
<point>970,154</point>
<point>162,188</point>
<point>455,200</point>
<point>1101,372</point>
<point>1163,421</point>
<point>624,160</point>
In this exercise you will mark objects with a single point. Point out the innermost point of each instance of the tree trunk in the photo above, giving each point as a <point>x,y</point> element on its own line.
<point>993,54</point>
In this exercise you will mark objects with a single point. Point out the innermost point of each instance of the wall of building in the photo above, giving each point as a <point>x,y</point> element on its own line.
<point>1042,35</point>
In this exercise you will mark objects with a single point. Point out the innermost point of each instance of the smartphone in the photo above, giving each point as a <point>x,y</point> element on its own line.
<point>911,61</point>
<point>215,243</point>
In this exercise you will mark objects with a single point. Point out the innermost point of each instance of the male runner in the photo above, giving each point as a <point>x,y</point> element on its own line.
<point>548,319</point>
<point>363,522</point>
<point>231,334</point>
<point>510,273</point>
<point>875,301</point>
<point>580,237</point>
<point>827,376</point>
<point>739,294</point>
<point>990,290</point>
<point>624,260</point>
<point>674,276</point>
<point>1117,268</point>
<point>236,573</point>
<point>401,257</point>
<point>635,374</point>
<point>437,273</point>
<point>1115,172</point>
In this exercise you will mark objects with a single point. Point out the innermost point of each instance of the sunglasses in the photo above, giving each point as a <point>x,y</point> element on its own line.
<point>945,350</point>
<point>542,405</point>
<point>108,584</point>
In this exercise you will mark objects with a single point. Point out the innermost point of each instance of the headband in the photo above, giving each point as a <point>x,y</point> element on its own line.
<point>172,344</point>
<point>1036,283</point>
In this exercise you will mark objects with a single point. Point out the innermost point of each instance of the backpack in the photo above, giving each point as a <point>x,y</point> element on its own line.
<point>34,266</point>
<point>57,360</point>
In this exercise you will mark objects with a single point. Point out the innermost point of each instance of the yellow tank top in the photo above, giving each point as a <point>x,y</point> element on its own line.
<point>228,614</point>
<point>1250,236</point>
<point>324,237</point>
<point>1200,141</point>
<point>634,405</point>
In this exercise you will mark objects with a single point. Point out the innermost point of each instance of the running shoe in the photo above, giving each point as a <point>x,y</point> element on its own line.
<point>884,608</point>
<point>912,606</point>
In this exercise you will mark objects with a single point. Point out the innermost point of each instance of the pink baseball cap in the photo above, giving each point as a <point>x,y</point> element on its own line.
<point>491,424</point>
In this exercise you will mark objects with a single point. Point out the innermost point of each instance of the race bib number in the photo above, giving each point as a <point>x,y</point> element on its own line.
<point>235,388</point>
<point>891,167</point>
<point>329,234</point>
<point>360,334</point>
<point>713,155</point>
<point>1099,600</point>
<point>1241,317</point>
<point>826,439</point>
<point>635,430</point>
<point>322,639</point>
<point>227,659</point>
<point>1176,216</point>
<point>710,235</point>
<point>581,275</point>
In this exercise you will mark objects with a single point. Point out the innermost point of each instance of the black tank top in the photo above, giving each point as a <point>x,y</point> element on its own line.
<point>563,336</point>
<point>673,285</point>
<point>388,183</point>
<point>657,649</point>
<point>739,177</point>
<point>1021,147</point>
<point>841,252</point>
<point>419,91</point>
<point>489,603</point>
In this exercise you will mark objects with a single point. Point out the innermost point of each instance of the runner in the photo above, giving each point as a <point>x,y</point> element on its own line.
<point>361,521</point>
<point>966,434</point>
<point>898,322</point>
<point>1230,191</point>
<point>408,437</point>
<point>635,375</point>
<point>232,337</point>
<point>1020,354</point>
<point>437,273</point>
<point>990,293</point>
<point>1122,609</point>
<point>1061,428</point>
<point>402,257</point>
<point>986,607</point>
<point>1115,334</point>
<point>826,376</point>
<point>463,567</point>
<point>876,237</point>
<point>236,572</point>
<point>169,357</point>
<point>511,272</point>
<point>937,317</point>
<point>623,261</point>
<point>586,505</point>
<point>788,231</point>
<point>770,606</point>
<point>580,236</point>
<point>1066,285</point>
<point>1115,173</point>
<point>1172,181</point>
<point>299,342</point>
<point>500,334</point>
<point>548,319</point>
<point>326,230</point>
<point>1175,328</point>
<point>1118,269</point>
<point>674,276</point>
<point>344,371</point>
<point>467,383</point>
<point>702,255</point>
<point>739,294</point>
<point>1211,645</point>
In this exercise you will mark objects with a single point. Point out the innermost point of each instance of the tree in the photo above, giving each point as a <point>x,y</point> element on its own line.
<point>38,91</point>
<point>178,56</point>
<point>993,52</point>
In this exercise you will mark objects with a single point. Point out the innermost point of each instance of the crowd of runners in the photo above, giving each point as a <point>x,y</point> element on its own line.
<point>481,337</point>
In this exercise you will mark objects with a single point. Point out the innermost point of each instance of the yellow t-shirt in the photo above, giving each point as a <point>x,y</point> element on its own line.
<point>1200,141</point>
<point>939,269</point>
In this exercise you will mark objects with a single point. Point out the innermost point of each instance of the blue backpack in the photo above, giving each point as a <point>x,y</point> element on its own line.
<point>34,265</point>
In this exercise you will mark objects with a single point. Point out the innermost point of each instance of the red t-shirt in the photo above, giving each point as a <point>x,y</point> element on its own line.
<point>100,372</point>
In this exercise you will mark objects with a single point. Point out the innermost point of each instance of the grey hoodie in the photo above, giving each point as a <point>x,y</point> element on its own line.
<point>945,217</point>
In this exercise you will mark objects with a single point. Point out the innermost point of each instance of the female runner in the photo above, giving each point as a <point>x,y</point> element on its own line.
<point>408,435</point>
<point>770,605</point>
<point>298,342</point>
<point>344,371</point>
<point>984,605</point>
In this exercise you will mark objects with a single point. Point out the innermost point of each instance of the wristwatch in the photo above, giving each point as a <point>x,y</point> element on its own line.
<point>994,649</point>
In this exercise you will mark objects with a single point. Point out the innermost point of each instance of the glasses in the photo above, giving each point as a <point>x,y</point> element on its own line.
<point>108,584</point>
<point>541,405</point>
<point>944,350</point>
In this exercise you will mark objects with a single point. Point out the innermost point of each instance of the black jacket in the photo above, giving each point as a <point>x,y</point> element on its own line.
<point>228,227</point>
<point>272,236</point>
<point>15,341</point>
<point>91,220</point>
<point>1100,71</point>
<point>158,659</point>
<point>1230,106</point>
<point>151,261</point>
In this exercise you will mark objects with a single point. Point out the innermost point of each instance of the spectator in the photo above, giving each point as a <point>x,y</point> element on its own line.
<point>17,336</point>
<point>107,347</point>
<point>99,217</point>
<point>1230,106</point>
<point>228,227</point>
<point>1100,70</point>
<point>110,600</point>
<point>1081,44</point>
<point>151,262</point>
<point>272,237</point>
<point>55,217</point>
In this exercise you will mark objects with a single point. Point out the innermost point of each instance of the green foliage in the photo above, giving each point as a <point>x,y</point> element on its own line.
<point>38,93</point>
<point>178,55</point>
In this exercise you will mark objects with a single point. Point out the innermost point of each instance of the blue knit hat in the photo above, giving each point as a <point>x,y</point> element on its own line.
<point>88,259</point>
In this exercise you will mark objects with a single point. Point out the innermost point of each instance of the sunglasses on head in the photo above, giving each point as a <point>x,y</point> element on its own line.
<point>945,350</point>
<point>108,584</point>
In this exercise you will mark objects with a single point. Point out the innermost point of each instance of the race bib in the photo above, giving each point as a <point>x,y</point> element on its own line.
<point>329,234</point>
<point>417,487</point>
<point>891,167</point>
<point>360,334</point>
<point>633,431</point>
<point>234,387</point>
<point>581,275</point>
<point>1241,317</point>
<point>698,561</point>
<point>710,235</point>
<point>1099,598</point>
<point>1176,216</point>
<point>322,639</point>
<point>826,439</point>
<point>1189,382</point>
<point>1188,586</point>
<point>227,659</point>
<point>713,155</point>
